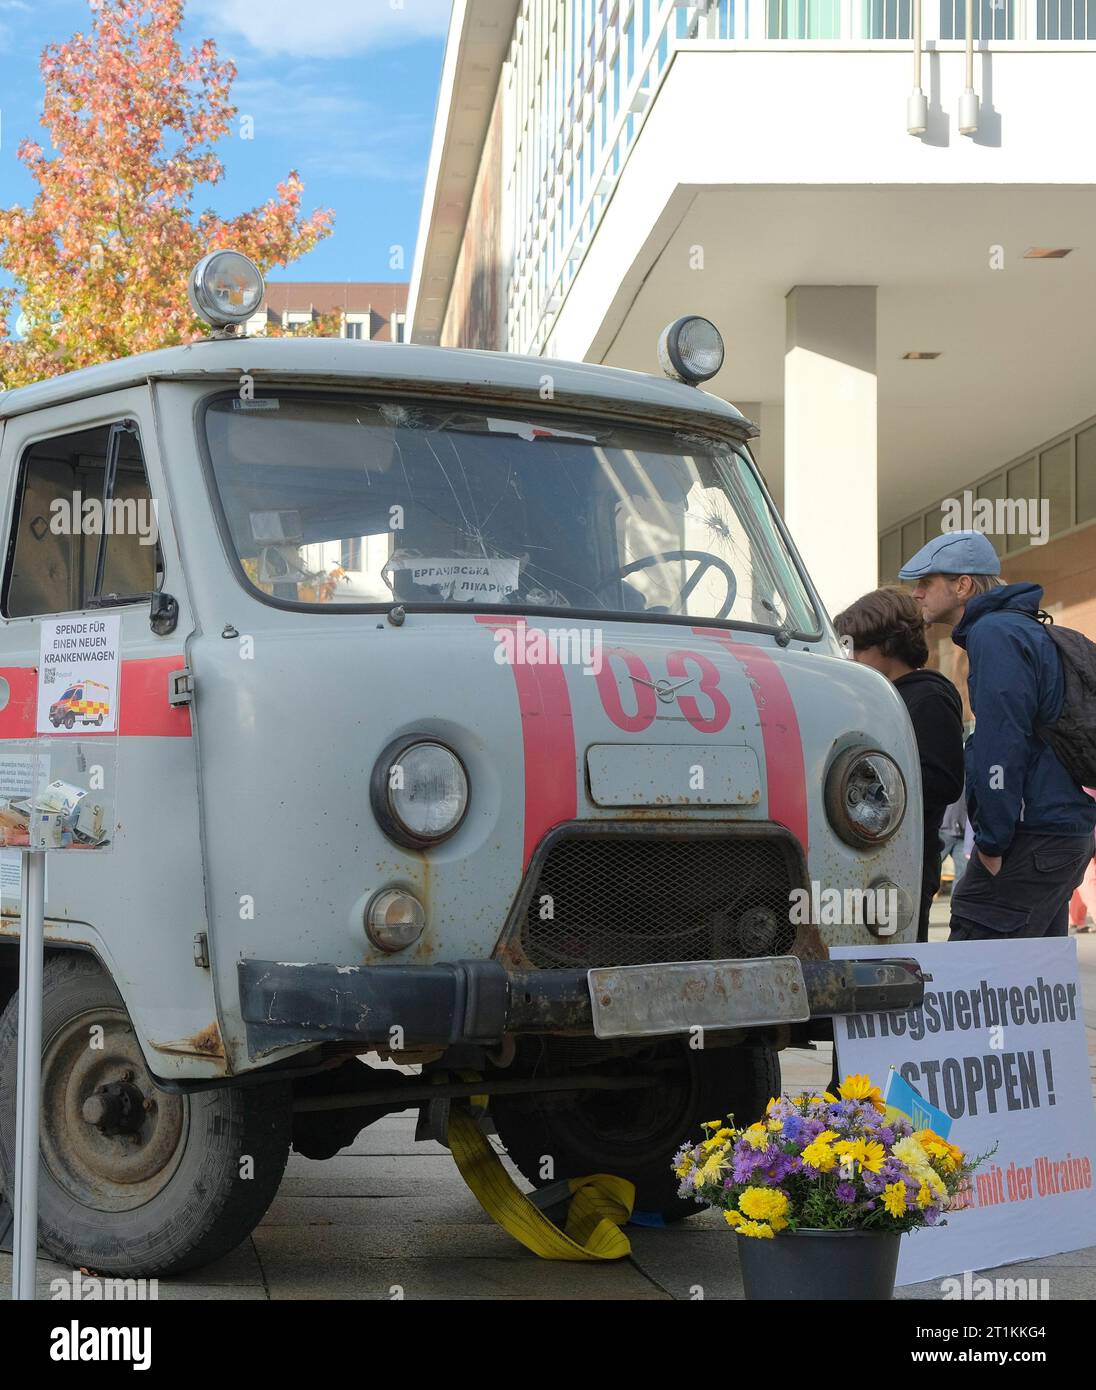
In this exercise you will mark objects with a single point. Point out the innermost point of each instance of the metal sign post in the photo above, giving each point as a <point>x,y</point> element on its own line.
<point>29,1061</point>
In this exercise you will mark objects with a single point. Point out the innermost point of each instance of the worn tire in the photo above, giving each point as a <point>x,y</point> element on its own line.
<point>204,1208</point>
<point>577,1130</point>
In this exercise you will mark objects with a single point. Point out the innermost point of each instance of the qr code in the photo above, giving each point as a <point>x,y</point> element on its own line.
<point>49,677</point>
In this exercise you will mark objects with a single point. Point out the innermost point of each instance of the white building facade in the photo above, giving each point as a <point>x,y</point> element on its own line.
<point>894,322</point>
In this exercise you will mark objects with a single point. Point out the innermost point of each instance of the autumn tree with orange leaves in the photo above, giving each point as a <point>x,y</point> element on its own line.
<point>101,258</point>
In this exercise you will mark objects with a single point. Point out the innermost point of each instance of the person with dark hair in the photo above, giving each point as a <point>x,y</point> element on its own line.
<point>1033,823</point>
<point>888,633</point>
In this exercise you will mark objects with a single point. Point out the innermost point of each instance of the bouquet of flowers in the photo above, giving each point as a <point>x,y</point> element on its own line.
<point>828,1163</point>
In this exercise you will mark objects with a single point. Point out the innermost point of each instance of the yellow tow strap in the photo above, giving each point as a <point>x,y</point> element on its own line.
<point>600,1204</point>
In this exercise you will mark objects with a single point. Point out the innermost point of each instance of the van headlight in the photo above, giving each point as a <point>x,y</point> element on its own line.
<point>865,797</point>
<point>419,791</point>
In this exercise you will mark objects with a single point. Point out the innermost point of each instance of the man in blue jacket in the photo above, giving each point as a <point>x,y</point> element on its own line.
<point>1033,825</point>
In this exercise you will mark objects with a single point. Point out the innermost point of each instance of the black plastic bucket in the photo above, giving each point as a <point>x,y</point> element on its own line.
<point>853,1265</point>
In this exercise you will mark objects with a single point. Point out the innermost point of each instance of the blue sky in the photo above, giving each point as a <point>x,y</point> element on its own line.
<point>342,90</point>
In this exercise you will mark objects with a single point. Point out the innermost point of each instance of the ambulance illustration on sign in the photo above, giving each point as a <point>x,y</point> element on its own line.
<point>86,700</point>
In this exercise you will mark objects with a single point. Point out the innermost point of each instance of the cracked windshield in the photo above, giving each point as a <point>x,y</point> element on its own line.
<point>353,502</point>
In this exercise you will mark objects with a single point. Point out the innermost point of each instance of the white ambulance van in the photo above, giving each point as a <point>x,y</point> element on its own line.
<point>475,713</point>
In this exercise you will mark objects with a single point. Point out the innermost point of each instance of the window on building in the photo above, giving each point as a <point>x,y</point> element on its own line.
<point>993,19</point>
<point>85,524</point>
<point>1086,475</point>
<point>890,556</point>
<point>885,19</point>
<point>1056,479</point>
<point>913,536</point>
<point>993,490</point>
<point>296,320</point>
<point>1065,19</point>
<point>803,19</point>
<point>1021,484</point>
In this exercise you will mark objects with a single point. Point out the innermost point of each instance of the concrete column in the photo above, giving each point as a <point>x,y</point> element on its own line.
<point>830,437</point>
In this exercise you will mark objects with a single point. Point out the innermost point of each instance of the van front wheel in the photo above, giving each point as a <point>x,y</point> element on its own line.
<point>134,1180</point>
<point>634,1134</point>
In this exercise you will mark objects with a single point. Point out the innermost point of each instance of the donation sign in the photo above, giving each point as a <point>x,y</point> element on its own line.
<point>78,674</point>
<point>999,1047</point>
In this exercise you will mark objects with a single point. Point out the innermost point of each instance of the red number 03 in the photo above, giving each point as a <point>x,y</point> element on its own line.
<point>645,687</point>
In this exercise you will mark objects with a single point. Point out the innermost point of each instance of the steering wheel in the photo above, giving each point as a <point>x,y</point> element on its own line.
<point>705,563</point>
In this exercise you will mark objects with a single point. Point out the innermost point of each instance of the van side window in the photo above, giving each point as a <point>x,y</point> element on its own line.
<point>84,530</point>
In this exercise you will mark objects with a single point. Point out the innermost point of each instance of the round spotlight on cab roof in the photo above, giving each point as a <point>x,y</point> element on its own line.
<point>691,350</point>
<point>225,289</point>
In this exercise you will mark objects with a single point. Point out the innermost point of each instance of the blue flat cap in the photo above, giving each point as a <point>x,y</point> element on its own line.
<point>954,552</point>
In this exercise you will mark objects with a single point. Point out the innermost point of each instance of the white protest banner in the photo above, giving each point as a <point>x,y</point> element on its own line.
<point>999,1045</point>
<point>78,674</point>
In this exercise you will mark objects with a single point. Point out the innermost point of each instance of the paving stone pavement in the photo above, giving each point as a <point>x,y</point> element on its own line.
<point>390,1218</point>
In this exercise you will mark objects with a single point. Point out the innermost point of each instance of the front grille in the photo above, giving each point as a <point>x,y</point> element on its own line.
<point>640,899</point>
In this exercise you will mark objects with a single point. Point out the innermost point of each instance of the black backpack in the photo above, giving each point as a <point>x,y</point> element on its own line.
<point>1072,736</point>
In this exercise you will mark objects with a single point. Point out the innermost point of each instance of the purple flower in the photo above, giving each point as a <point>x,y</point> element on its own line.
<point>845,1192</point>
<point>932,1216</point>
<point>793,1128</point>
<point>869,1206</point>
<point>885,1136</point>
<point>873,1182</point>
<point>783,1164</point>
<point>746,1163</point>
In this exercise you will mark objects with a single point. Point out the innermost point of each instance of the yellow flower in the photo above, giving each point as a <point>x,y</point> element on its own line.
<point>763,1203</point>
<point>685,1167</point>
<point>819,1154</point>
<point>723,1134</point>
<point>894,1198</point>
<point>868,1154</point>
<point>710,1171</point>
<point>757,1136</point>
<point>831,1100</point>
<point>947,1154</point>
<point>711,1124</point>
<point>733,1218</point>
<point>756,1228</point>
<point>924,1197</point>
<point>775,1126</point>
<point>911,1153</point>
<point>860,1088</point>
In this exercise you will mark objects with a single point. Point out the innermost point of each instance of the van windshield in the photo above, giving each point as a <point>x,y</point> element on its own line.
<point>344,501</point>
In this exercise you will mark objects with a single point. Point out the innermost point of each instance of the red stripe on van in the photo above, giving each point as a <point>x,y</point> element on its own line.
<point>145,711</point>
<point>17,716</point>
<point>785,773</point>
<point>548,743</point>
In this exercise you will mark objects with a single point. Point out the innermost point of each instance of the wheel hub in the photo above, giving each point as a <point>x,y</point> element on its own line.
<point>117,1108</point>
<point>109,1137</point>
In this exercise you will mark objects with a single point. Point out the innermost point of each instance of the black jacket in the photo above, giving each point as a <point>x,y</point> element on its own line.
<point>936,713</point>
